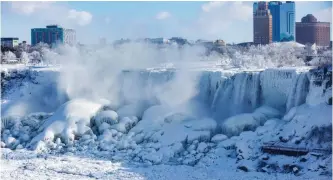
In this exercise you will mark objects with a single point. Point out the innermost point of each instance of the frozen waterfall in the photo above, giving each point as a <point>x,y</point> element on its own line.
<point>224,93</point>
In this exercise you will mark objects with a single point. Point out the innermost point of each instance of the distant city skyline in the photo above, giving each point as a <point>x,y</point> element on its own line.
<point>230,21</point>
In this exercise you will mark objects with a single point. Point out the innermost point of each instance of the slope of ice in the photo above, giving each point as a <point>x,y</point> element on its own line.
<point>315,122</point>
<point>26,91</point>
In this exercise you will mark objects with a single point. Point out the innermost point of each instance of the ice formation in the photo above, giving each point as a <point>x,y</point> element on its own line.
<point>248,121</point>
<point>72,119</point>
<point>225,119</point>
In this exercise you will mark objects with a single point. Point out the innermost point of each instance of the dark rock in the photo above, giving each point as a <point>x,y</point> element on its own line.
<point>264,157</point>
<point>303,159</point>
<point>287,168</point>
<point>274,167</point>
<point>329,101</point>
<point>283,139</point>
<point>240,157</point>
<point>243,168</point>
<point>326,173</point>
<point>240,151</point>
<point>316,154</point>
<point>261,165</point>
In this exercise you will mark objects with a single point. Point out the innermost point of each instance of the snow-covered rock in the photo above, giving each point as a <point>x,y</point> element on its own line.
<point>125,124</point>
<point>248,121</point>
<point>70,120</point>
<point>109,116</point>
<point>202,147</point>
<point>218,138</point>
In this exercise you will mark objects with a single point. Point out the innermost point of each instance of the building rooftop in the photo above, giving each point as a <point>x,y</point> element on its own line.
<point>53,26</point>
<point>9,38</point>
<point>275,3</point>
<point>309,18</point>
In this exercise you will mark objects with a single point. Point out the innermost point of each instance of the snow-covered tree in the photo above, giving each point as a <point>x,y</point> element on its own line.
<point>311,49</point>
<point>40,46</point>
<point>24,57</point>
<point>35,56</point>
<point>9,56</point>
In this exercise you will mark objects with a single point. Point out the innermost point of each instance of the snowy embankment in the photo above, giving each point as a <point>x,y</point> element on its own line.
<point>211,118</point>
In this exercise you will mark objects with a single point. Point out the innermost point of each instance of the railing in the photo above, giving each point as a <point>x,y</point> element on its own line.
<point>278,148</point>
<point>11,61</point>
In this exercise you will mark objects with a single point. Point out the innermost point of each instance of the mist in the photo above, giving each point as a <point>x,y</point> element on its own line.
<point>142,73</point>
<point>97,73</point>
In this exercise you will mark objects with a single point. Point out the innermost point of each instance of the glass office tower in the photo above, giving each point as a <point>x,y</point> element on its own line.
<point>52,35</point>
<point>283,20</point>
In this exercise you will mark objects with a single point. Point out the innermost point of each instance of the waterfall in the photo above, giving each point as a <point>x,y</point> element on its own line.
<point>299,91</point>
<point>275,87</point>
<point>224,93</point>
<point>143,85</point>
<point>228,93</point>
<point>238,94</point>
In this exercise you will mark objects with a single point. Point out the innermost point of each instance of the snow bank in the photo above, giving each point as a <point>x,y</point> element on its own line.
<point>160,136</point>
<point>219,138</point>
<point>248,121</point>
<point>305,120</point>
<point>109,116</point>
<point>70,120</point>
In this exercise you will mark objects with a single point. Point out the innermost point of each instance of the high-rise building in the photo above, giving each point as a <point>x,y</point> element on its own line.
<point>283,15</point>
<point>283,20</point>
<point>9,42</point>
<point>262,24</point>
<point>53,34</point>
<point>255,7</point>
<point>309,30</point>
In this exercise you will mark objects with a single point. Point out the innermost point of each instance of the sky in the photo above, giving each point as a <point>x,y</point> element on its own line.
<point>231,21</point>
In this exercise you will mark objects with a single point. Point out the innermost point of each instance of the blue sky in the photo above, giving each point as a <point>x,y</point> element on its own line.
<point>230,21</point>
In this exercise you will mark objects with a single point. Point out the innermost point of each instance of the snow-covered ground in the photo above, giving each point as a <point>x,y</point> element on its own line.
<point>27,165</point>
<point>182,120</point>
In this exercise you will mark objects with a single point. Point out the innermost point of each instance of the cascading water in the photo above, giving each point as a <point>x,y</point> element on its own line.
<point>275,87</point>
<point>299,91</point>
<point>142,85</point>
<point>228,94</point>
<point>238,94</point>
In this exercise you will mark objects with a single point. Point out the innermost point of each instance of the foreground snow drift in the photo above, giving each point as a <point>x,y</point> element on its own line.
<point>29,166</point>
